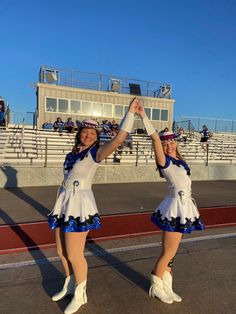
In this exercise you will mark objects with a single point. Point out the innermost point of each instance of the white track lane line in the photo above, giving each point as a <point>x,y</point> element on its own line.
<point>97,252</point>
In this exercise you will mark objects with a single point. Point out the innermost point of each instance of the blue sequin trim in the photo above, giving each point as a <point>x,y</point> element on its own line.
<point>174,225</point>
<point>74,224</point>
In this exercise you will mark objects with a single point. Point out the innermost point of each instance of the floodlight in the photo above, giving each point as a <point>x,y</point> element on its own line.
<point>115,85</point>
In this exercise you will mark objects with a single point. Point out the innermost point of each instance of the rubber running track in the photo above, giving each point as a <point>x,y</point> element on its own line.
<point>37,235</point>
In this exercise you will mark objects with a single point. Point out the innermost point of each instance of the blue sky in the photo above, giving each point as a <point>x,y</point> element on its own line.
<point>190,44</point>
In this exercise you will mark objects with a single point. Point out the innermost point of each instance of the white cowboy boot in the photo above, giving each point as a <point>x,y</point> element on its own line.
<point>68,288</point>
<point>157,290</point>
<point>78,299</point>
<point>167,283</point>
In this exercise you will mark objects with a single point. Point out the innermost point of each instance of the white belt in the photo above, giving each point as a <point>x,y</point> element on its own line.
<point>182,194</point>
<point>77,184</point>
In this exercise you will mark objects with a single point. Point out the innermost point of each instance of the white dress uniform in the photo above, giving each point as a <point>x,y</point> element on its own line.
<point>178,211</point>
<point>75,209</point>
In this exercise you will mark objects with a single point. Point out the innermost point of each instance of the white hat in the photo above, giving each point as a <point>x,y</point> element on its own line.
<point>167,136</point>
<point>89,124</point>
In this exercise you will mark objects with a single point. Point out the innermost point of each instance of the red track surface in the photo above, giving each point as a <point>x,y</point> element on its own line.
<point>31,236</point>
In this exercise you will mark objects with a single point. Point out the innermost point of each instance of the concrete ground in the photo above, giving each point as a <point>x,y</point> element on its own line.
<point>118,281</point>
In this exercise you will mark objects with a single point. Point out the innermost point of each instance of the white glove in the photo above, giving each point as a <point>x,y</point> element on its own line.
<point>127,122</point>
<point>148,126</point>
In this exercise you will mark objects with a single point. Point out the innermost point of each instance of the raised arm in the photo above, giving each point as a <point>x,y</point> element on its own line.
<point>159,153</point>
<point>125,127</point>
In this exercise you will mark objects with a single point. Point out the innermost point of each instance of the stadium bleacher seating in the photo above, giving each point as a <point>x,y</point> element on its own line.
<point>22,145</point>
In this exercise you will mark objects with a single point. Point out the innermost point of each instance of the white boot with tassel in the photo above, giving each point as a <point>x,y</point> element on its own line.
<point>157,290</point>
<point>78,299</point>
<point>68,288</point>
<point>167,283</point>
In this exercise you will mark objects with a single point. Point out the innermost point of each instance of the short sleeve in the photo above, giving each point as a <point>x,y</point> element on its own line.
<point>166,164</point>
<point>93,152</point>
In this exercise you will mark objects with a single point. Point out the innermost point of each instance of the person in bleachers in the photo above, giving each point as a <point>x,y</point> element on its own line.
<point>181,136</point>
<point>129,143</point>
<point>75,212</point>
<point>77,123</point>
<point>114,124</point>
<point>58,125</point>
<point>205,134</point>
<point>47,125</point>
<point>2,112</point>
<point>105,134</point>
<point>69,125</point>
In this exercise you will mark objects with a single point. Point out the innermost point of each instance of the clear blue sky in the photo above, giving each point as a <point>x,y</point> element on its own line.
<point>190,44</point>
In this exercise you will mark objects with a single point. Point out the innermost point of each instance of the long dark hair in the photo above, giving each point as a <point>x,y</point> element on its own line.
<point>75,148</point>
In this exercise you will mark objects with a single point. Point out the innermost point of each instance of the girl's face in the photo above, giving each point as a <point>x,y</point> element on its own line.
<point>88,137</point>
<point>169,148</point>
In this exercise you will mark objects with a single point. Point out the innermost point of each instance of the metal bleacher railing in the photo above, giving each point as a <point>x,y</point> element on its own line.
<point>27,146</point>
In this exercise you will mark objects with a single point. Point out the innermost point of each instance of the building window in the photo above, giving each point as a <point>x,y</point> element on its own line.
<point>107,110</point>
<point>164,115</point>
<point>148,112</point>
<point>51,104</point>
<point>97,109</point>
<point>119,111</point>
<point>86,108</point>
<point>63,105</point>
<point>155,114</point>
<point>75,106</point>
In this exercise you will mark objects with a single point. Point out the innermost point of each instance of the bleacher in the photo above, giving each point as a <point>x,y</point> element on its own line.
<point>27,146</point>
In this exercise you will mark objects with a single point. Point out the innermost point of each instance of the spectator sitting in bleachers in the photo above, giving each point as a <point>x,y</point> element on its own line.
<point>129,143</point>
<point>69,125</point>
<point>58,125</point>
<point>105,134</point>
<point>77,123</point>
<point>114,124</point>
<point>182,137</point>
<point>47,125</point>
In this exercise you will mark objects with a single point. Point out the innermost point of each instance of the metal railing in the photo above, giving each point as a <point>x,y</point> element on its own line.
<point>213,124</point>
<point>52,148</point>
<point>103,82</point>
<point>16,117</point>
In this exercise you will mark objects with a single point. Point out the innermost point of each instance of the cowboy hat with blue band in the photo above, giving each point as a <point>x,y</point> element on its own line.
<point>167,136</point>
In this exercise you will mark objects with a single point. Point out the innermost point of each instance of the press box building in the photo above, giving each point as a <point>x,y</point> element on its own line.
<point>70,93</point>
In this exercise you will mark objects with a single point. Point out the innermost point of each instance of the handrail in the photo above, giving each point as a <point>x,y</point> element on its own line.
<point>22,138</point>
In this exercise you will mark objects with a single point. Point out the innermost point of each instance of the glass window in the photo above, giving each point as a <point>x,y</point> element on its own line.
<point>51,104</point>
<point>75,106</point>
<point>164,115</point>
<point>155,114</point>
<point>148,112</point>
<point>86,108</point>
<point>63,105</point>
<point>107,110</point>
<point>119,111</point>
<point>97,109</point>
